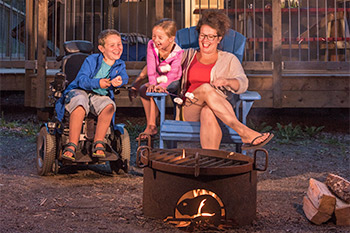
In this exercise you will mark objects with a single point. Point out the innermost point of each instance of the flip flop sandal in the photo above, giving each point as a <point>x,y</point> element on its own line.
<point>251,145</point>
<point>71,158</point>
<point>94,154</point>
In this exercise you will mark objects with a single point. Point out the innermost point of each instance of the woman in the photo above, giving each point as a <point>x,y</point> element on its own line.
<point>212,76</point>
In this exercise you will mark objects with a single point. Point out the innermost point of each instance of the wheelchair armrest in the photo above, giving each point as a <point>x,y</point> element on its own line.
<point>59,84</point>
<point>116,91</point>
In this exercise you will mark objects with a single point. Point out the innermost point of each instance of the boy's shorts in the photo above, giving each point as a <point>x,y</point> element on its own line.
<point>89,101</point>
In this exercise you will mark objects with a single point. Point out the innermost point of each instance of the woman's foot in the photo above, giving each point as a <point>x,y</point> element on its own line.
<point>258,140</point>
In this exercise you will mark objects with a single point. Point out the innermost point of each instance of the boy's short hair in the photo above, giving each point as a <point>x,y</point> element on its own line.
<point>103,35</point>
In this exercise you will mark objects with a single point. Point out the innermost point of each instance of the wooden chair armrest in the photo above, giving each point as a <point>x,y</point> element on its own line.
<point>250,96</point>
<point>159,98</point>
<point>156,94</point>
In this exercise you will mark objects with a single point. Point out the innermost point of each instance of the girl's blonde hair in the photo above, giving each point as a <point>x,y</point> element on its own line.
<point>168,25</point>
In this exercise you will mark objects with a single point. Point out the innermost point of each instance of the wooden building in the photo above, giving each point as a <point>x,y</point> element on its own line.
<point>297,52</point>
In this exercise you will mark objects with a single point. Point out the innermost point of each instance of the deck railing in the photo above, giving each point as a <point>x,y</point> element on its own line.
<point>311,30</point>
<point>283,36</point>
<point>12,45</point>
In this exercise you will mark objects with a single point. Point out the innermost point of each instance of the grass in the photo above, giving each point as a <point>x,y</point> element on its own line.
<point>17,128</point>
<point>286,134</point>
<point>134,129</point>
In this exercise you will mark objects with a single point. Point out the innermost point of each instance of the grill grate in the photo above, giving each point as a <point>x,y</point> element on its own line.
<point>194,161</point>
<point>177,158</point>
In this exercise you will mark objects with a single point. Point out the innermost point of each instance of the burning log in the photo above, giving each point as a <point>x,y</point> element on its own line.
<point>339,186</point>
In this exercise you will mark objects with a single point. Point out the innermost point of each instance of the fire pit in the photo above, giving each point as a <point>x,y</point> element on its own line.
<point>185,186</point>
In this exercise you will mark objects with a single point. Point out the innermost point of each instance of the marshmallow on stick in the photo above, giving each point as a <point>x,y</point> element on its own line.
<point>178,100</point>
<point>165,68</point>
<point>162,79</point>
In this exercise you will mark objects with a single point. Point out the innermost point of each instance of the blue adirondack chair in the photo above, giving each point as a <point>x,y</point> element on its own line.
<point>172,131</point>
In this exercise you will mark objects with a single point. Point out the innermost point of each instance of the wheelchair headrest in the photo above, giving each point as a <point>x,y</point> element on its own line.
<point>76,46</point>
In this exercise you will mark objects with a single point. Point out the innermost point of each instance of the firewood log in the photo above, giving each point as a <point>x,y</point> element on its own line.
<point>313,214</point>
<point>320,196</point>
<point>342,213</point>
<point>339,186</point>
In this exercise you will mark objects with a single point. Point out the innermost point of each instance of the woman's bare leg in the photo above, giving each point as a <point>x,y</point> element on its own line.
<point>206,94</point>
<point>151,111</point>
<point>210,131</point>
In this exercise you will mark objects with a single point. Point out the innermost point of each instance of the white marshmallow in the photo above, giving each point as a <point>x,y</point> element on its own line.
<point>165,68</point>
<point>189,95</point>
<point>162,79</point>
<point>178,100</point>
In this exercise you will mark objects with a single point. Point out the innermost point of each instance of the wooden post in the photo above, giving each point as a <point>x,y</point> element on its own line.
<point>42,46</point>
<point>62,26</point>
<point>110,14</point>
<point>159,9</point>
<point>277,53</point>
<point>30,51</point>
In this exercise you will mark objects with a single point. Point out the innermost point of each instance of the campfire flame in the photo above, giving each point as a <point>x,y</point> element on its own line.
<point>185,220</point>
<point>199,213</point>
<point>183,153</point>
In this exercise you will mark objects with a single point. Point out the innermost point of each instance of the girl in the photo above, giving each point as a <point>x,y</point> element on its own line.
<point>163,67</point>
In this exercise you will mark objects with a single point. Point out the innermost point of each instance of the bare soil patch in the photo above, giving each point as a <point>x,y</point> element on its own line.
<point>91,199</point>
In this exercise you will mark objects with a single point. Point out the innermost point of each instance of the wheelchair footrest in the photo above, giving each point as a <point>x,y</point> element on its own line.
<point>86,158</point>
<point>82,158</point>
<point>110,156</point>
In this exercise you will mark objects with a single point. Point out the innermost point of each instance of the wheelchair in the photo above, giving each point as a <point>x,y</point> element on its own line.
<point>54,134</point>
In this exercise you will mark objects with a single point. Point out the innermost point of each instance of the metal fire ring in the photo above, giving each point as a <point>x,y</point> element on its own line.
<point>159,159</point>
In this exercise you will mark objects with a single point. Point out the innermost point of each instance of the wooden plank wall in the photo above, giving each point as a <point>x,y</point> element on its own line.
<point>307,89</point>
<point>303,91</point>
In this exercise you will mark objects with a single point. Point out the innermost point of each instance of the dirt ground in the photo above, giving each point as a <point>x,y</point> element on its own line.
<point>90,199</point>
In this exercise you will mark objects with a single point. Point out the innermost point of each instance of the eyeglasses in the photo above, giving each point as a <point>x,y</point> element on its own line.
<point>209,37</point>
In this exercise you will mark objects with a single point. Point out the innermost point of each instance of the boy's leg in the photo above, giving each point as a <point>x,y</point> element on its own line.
<point>75,123</point>
<point>104,107</point>
<point>103,122</point>
<point>77,106</point>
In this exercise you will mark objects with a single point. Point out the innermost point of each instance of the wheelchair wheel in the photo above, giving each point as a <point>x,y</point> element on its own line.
<point>121,144</point>
<point>45,152</point>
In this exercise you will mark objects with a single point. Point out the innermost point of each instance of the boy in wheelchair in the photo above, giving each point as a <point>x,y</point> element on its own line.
<point>92,91</point>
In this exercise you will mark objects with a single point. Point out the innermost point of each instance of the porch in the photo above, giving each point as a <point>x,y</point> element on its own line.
<point>297,56</point>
